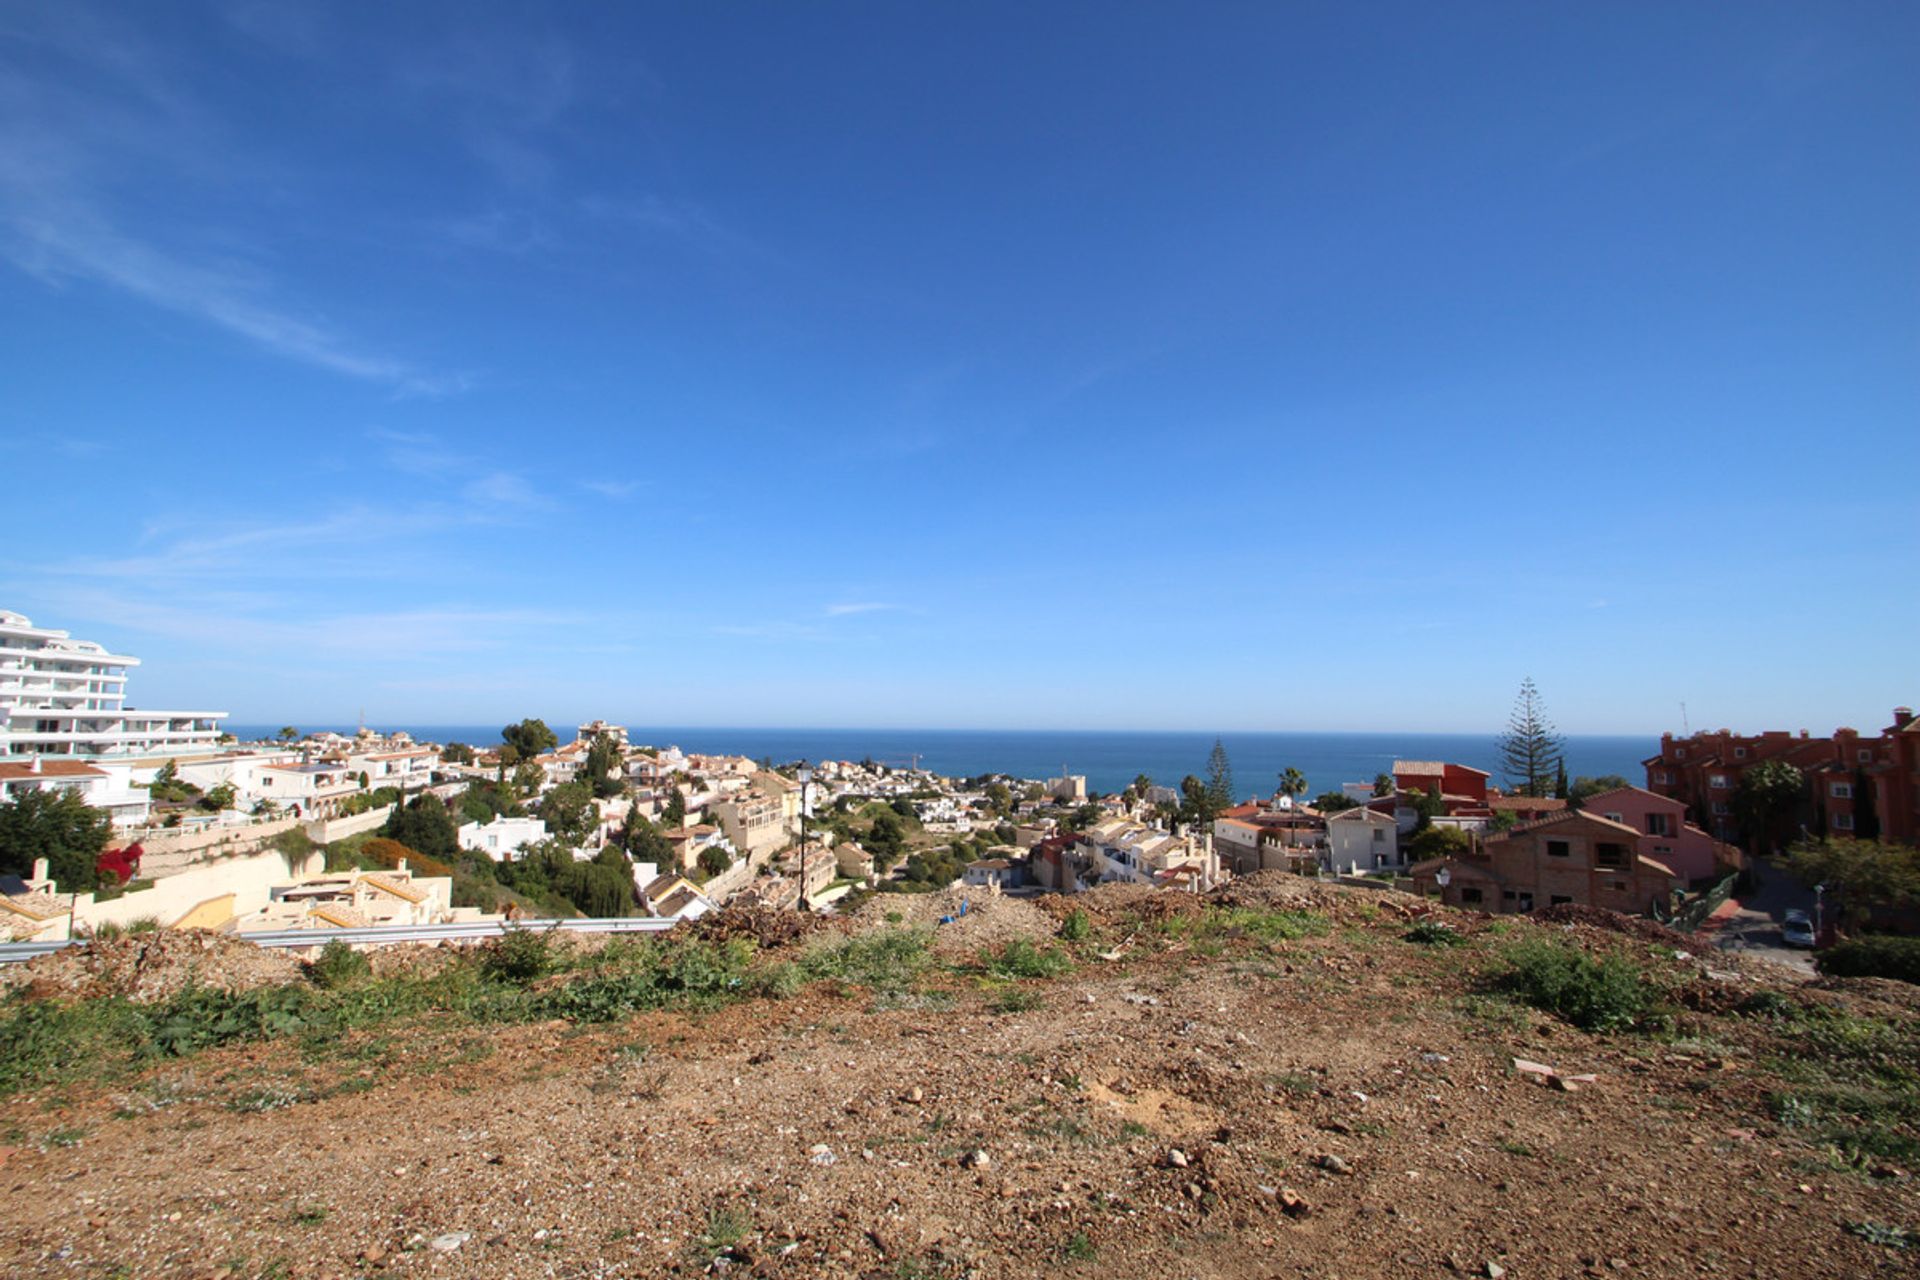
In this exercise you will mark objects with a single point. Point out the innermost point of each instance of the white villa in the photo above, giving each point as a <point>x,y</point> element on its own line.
<point>503,839</point>
<point>65,697</point>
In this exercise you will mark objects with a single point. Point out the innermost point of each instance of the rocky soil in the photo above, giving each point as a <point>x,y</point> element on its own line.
<point>1208,1104</point>
<point>150,967</point>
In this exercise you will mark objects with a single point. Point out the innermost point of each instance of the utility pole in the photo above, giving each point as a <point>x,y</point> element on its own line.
<point>806,776</point>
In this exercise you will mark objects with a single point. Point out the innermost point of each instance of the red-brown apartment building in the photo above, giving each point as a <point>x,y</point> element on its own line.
<point>1570,857</point>
<point>1859,785</point>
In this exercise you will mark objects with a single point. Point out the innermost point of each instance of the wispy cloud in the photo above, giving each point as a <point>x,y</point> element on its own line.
<point>66,240</point>
<point>864,606</point>
<point>63,151</point>
<point>503,488</point>
<point>770,631</point>
<point>267,623</point>
<point>611,488</point>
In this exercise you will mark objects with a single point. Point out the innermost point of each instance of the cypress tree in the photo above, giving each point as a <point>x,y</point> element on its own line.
<point>1531,753</point>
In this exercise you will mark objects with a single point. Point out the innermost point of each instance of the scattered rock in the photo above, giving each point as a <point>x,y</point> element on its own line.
<point>1334,1164</point>
<point>1177,1158</point>
<point>820,1153</point>
<point>977,1160</point>
<point>1293,1204</point>
<point>450,1241</point>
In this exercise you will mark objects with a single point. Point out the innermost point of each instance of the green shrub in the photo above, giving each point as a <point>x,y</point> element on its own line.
<point>1608,994</point>
<point>885,960</point>
<point>1874,957</point>
<point>518,956</point>
<point>339,965</point>
<point>1076,926</point>
<point>1432,933</point>
<point>1021,959</point>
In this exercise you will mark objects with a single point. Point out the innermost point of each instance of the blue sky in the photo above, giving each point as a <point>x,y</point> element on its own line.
<point>1217,367</point>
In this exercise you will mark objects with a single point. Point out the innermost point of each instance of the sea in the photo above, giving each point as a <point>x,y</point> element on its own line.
<point>1110,760</point>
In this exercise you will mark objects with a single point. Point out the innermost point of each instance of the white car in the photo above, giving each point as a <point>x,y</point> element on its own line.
<point>1797,931</point>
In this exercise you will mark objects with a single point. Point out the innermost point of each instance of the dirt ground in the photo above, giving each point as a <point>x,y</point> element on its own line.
<point>1337,1105</point>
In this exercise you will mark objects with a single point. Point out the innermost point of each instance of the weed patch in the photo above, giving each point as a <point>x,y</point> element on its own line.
<point>1608,994</point>
<point>1021,959</point>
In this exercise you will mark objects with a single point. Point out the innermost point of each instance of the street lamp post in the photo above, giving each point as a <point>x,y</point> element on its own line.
<point>806,776</point>
<point>1443,877</point>
<point>1819,912</point>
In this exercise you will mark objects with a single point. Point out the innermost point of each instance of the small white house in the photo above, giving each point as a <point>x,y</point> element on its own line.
<point>503,839</point>
<point>1363,839</point>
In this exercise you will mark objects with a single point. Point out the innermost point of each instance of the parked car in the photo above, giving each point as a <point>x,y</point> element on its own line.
<point>1797,931</point>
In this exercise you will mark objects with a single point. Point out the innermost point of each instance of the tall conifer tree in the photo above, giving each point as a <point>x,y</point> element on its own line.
<point>1219,777</point>
<point>1531,753</point>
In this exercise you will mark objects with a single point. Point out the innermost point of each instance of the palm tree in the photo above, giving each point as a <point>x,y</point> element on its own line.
<point>1293,783</point>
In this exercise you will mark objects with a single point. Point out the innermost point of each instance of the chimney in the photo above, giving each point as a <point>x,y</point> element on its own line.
<point>33,764</point>
<point>1902,714</point>
<point>39,868</point>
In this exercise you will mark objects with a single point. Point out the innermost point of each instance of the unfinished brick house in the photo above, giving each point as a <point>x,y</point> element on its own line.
<point>1574,857</point>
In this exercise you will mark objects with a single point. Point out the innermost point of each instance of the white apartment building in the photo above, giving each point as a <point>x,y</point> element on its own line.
<point>65,697</point>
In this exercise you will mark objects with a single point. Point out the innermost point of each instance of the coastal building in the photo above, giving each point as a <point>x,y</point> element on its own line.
<point>504,839</point>
<point>1363,839</point>
<point>1132,852</point>
<point>65,697</point>
<point>105,786</point>
<point>1861,785</point>
<point>357,900</point>
<point>313,790</point>
<point>1669,838</point>
<point>1572,857</point>
<point>755,823</point>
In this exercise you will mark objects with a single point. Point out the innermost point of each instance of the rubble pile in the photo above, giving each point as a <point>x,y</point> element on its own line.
<point>150,967</point>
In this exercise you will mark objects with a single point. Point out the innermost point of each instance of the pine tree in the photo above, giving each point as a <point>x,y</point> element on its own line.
<point>1531,753</point>
<point>1219,777</point>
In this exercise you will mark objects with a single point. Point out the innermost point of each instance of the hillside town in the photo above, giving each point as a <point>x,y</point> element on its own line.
<point>117,820</point>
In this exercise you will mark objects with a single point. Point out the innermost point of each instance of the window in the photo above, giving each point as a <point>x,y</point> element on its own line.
<point>1559,900</point>
<point>1379,835</point>
<point>1663,777</point>
<point>1470,895</point>
<point>1610,855</point>
<point>1843,822</point>
<point>1611,817</point>
<point>1841,791</point>
<point>1616,884</point>
<point>1739,753</point>
<point>1526,901</point>
<point>1658,824</point>
<point>1559,849</point>
<point>1720,809</point>
<point>1680,754</point>
<point>1718,782</point>
<point>1866,755</point>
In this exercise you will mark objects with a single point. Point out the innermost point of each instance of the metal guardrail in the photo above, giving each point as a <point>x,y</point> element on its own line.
<point>387,935</point>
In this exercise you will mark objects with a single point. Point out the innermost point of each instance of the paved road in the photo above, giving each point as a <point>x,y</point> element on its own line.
<point>1755,928</point>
